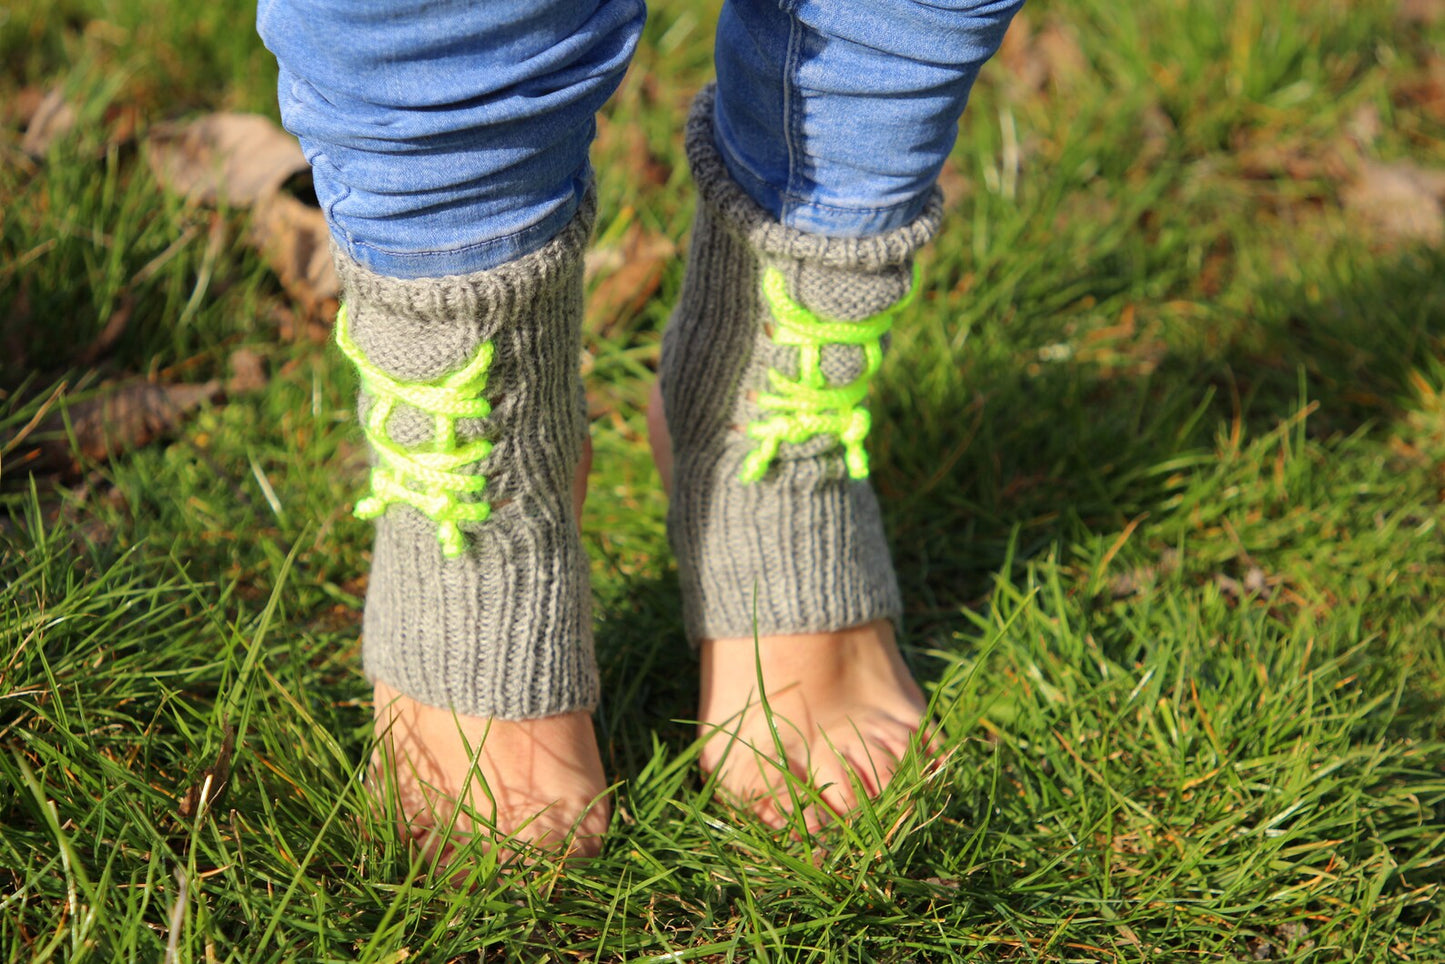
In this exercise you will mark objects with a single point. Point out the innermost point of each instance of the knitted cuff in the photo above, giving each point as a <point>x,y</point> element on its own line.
<point>764,373</point>
<point>478,599</point>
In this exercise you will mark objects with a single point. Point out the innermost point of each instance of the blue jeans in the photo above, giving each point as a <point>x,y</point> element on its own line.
<point>451,136</point>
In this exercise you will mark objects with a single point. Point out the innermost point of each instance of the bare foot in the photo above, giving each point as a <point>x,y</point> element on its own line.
<point>843,705</point>
<point>538,781</point>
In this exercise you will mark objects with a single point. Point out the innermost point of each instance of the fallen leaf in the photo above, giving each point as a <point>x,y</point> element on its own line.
<point>1060,50</point>
<point>1142,578</point>
<point>123,416</point>
<point>203,793</point>
<point>629,274</point>
<point>1400,201</point>
<point>1254,585</point>
<point>53,118</point>
<point>954,184</point>
<point>1157,132</point>
<point>294,241</point>
<point>14,331</point>
<point>88,529</point>
<point>110,332</point>
<point>248,372</point>
<point>1035,59</point>
<point>1272,154</point>
<point>19,109</point>
<point>1023,69</point>
<point>1365,126</point>
<point>1420,13</point>
<point>1423,90</point>
<point>627,144</point>
<point>122,123</point>
<point>230,158</point>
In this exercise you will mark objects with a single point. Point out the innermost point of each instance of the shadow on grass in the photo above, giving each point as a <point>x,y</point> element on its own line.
<point>1061,456</point>
<point>1063,451</point>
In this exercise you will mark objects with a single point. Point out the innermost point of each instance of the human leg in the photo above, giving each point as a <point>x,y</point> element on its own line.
<point>836,118</point>
<point>447,137</point>
<point>450,154</point>
<point>842,119</point>
<point>795,551</point>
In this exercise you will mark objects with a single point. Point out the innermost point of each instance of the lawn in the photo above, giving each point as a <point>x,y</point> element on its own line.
<point>1161,448</point>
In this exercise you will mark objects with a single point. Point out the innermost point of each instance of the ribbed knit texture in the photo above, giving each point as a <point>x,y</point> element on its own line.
<point>503,630</point>
<point>803,549</point>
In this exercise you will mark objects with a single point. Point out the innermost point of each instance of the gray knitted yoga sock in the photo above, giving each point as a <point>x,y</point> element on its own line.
<point>801,549</point>
<point>499,624</point>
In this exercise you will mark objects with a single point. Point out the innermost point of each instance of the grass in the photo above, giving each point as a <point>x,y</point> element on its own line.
<point>1162,450</point>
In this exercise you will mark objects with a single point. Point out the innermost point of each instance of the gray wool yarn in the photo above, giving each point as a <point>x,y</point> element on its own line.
<point>503,630</point>
<point>803,549</point>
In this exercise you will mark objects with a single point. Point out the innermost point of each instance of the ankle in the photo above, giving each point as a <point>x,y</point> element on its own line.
<point>763,379</point>
<point>478,597</point>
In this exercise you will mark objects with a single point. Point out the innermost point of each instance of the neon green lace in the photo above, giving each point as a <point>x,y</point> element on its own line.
<point>431,480</point>
<point>808,406</point>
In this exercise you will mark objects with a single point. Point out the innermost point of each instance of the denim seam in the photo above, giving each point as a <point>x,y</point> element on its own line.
<point>330,212</point>
<point>763,192</point>
<point>540,227</point>
<point>499,240</point>
<point>792,122</point>
<point>798,201</point>
<point>790,205</point>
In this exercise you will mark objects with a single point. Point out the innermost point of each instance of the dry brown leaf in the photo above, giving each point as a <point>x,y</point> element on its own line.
<point>1430,179</point>
<point>1256,584</point>
<point>294,240</point>
<point>1420,13</point>
<point>1272,154</point>
<point>246,161</point>
<point>1060,50</point>
<point>1156,134</point>
<point>294,326</point>
<point>1424,90</point>
<point>1399,201</point>
<point>53,118</point>
<point>626,144</point>
<point>1033,59</point>
<point>248,372</point>
<point>629,273</point>
<point>123,416</point>
<point>110,332</point>
<point>227,157</point>
<point>1142,578</point>
<point>122,123</point>
<point>21,106</point>
<point>48,116</point>
<point>203,793</point>
<point>1018,57</point>
<point>647,167</point>
<point>1365,126</point>
<point>14,353</point>
<point>954,184</point>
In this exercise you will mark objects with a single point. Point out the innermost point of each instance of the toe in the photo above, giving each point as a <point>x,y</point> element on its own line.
<point>834,781</point>
<point>746,780</point>
<point>872,768</point>
<point>892,739</point>
<point>767,810</point>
